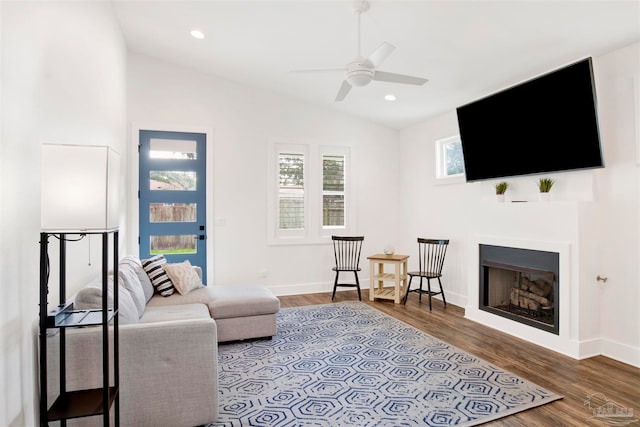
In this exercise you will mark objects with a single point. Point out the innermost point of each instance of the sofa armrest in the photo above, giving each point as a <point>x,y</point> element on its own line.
<point>168,371</point>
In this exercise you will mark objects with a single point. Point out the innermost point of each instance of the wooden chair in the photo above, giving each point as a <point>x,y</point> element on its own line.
<point>346,250</point>
<point>431,254</point>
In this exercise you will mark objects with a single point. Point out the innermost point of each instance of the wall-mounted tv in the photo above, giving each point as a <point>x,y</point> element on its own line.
<point>546,124</point>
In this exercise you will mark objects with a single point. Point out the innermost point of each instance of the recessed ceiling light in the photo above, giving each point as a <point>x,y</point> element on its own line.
<point>197,34</point>
<point>390,97</point>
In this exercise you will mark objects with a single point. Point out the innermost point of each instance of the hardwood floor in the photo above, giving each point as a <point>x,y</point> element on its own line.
<point>573,379</point>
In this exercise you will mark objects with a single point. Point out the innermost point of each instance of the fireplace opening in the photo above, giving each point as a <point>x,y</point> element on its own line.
<point>521,285</point>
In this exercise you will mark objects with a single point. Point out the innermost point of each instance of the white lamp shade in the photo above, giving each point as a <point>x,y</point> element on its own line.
<point>79,188</point>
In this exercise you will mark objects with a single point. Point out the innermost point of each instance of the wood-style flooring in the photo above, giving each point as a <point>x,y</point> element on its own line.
<point>570,378</point>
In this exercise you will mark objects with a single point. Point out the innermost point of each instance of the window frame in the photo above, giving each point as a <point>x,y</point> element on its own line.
<point>325,150</point>
<point>292,190</point>
<point>314,231</point>
<point>441,162</point>
<point>291,149</point>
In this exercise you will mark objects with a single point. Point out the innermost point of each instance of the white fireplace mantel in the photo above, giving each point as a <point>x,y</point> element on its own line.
<point>567,341</point>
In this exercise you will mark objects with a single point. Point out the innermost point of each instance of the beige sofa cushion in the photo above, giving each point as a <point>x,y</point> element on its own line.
<point>242,301</point>
<point>90,298</point>
<point>129,279</point>
<point>175,312</point>
<point>201,296</point>
<point>134,262</point>
<point>226,301</point>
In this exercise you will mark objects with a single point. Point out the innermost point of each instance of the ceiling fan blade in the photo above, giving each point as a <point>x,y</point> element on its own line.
<point>343,91</point>
<point>398,78</point>
<point>321,70</point>
<point>378,56</point>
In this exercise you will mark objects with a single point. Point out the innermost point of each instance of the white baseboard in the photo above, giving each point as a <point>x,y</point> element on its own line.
<point>455,299</point>
<point>621,352</point>
<point>589,348</point>
<point>614,350</point>
<point>303,288</point>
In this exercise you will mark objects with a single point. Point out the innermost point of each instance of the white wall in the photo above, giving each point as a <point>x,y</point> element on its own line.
<point>63,81</point>
<point>596,212</point>
<point>618,214</point>
<point>242,121</point>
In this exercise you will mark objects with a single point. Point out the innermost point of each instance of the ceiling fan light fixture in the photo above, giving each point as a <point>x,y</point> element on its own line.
<point>360,77</point>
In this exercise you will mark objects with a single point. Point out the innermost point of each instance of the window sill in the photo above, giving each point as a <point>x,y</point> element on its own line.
<point>451,180</point>
<point>298,241</point>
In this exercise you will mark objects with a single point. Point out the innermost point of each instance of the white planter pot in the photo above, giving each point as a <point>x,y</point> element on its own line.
<point>500,198</point>
<point>544,197</point>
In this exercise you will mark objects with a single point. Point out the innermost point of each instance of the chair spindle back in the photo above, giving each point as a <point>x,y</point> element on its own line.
<point>347,252</point>
<point>431,254</point>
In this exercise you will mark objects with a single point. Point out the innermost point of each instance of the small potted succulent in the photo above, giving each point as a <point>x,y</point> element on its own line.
<point>544,185</point>
<point>501,188</point>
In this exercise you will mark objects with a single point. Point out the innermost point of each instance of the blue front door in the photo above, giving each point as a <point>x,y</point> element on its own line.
<point>173,196</point>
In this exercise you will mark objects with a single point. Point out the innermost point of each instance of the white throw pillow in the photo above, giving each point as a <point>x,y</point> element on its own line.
<point>183,276</point>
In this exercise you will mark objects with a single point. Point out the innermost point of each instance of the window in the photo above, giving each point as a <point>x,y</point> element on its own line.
<point>291,191</point>
<point>333,191</point>
<point>449,159</point>
<point>308,192</point>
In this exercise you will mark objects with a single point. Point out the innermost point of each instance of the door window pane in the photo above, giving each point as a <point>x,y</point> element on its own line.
<point>172,212</point>
<point>172,149</point>
<point>172,180</point>
<point>176,244</point>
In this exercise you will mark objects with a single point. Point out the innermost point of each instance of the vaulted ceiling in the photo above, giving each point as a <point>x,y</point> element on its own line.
<point>467,49</point>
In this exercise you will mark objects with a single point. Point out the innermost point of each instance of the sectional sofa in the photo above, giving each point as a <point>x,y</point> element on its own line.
<point>168,346</point>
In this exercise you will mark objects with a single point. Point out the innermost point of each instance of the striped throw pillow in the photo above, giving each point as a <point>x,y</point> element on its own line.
<point>159,278</point>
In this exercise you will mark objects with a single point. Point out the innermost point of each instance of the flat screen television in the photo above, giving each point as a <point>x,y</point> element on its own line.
<point>547,124</point>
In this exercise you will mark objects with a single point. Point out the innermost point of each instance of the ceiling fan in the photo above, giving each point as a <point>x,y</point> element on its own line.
<point>361,71</point>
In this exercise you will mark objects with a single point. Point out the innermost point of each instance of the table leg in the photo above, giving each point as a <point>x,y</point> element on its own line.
<point>403,288</point>
<point>396,283</point>
<point>371,280</point>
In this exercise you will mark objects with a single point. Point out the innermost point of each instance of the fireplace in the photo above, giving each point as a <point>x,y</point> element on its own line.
<point>520,285</point>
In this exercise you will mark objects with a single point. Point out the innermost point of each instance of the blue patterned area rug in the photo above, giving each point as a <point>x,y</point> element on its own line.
<point>348,364</point>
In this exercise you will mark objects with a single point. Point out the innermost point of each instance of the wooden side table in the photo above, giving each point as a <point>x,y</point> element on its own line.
<point>398,277</point>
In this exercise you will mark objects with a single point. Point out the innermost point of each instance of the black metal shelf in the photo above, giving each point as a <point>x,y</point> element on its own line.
<point>90,402</point>
<point>81,403</point>
<point>78,318</point>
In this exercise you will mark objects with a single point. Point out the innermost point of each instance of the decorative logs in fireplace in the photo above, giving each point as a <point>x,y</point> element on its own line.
<point>533,295</point>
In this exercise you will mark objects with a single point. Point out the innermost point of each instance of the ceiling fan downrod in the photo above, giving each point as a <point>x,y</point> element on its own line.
<point>359,73</point>
<point>359,7</point>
